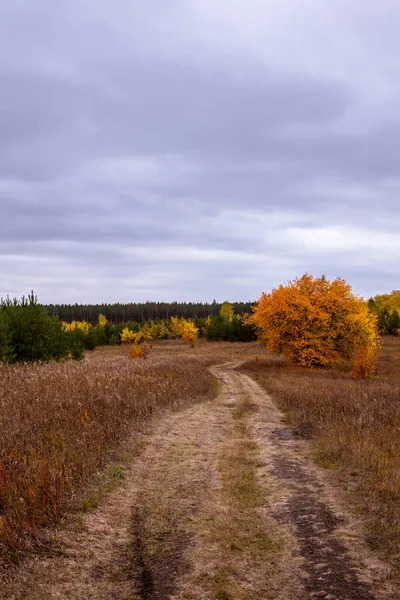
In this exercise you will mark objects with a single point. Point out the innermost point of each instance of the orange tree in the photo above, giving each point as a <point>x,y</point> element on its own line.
<point>316,322</point>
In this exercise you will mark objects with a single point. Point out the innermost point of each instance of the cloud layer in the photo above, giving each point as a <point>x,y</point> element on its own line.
<point>197,149</point>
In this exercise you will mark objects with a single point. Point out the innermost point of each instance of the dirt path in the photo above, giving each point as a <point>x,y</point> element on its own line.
<point>334,562</point>
<point>221,503</point>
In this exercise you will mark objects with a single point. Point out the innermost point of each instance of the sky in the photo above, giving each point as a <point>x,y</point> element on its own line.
<point>197,149</point>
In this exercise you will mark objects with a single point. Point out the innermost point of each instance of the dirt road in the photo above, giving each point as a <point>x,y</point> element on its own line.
<point>222,502</point>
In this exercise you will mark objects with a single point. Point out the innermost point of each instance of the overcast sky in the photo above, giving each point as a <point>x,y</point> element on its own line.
<point>197,149</point>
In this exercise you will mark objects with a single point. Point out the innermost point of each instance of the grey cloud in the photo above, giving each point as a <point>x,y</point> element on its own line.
<point>146,140</point>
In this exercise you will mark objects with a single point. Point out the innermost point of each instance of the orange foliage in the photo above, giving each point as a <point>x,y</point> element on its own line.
<point>364,363</point>
<point>136,352</point>
<point>316,322</point>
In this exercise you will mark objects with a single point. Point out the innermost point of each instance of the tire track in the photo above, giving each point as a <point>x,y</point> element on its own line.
<point>331,567</point>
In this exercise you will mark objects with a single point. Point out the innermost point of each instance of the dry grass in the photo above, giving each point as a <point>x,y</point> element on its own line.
<point>356,430</point>
<point>59,422</point>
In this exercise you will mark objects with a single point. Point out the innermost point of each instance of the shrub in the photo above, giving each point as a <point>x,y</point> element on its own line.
<point>190,333</point>
<point>127,335</point>
<point>315,322</point>
<point>135,352</point>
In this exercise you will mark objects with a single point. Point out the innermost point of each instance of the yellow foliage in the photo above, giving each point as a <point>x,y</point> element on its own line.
<point>190,333</point>
<point>226,312</point>
<point>138,337</point>
<point>82,325</point>
<point>315,322</point>
<point>171,329</point>
<point>388,301</point>
<point>176,326</point>
<point>160,331</point>
<point>102,321</point>
<point>127,335</point>
<point>245,319</point>
<point>147,332</point>
<point>364,363</point>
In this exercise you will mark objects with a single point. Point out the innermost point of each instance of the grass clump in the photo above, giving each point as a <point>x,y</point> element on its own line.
<point>116,472</point>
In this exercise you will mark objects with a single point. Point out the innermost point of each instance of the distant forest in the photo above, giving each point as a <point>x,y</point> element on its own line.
<point>140,312</point>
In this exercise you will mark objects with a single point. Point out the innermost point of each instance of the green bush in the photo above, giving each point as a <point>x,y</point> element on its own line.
<point>28,333</point>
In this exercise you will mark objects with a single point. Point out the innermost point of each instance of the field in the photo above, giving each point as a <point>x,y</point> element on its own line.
<point>171,476</point>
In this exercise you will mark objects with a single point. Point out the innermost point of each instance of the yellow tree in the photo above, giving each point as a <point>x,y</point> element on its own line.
<point>176,326</point>
<point>316,322</point>
<point>102,321</point>
<point>162,331</point>
<point>226,312</point>
<point>147,332</point>
<point>127,335</point>
<point>190,333</point>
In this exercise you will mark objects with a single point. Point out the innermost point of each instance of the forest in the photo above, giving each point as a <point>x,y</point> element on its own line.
<point>140,312</point>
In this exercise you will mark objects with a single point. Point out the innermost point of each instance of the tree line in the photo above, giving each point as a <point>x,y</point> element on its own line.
<point>140,312</point>
<point>313,321</point>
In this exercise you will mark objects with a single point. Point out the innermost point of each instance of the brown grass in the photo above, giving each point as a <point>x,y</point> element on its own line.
<point>59,422</point>
<point>356,430</point>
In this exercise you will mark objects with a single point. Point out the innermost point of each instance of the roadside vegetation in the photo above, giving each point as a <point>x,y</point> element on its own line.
<point>59,422</point>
